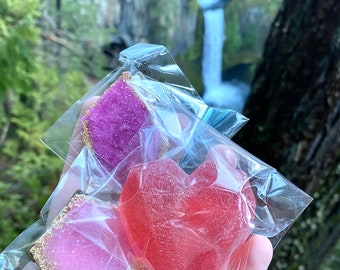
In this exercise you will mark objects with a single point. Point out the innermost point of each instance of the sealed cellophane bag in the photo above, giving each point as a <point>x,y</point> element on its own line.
<point>152,180</point>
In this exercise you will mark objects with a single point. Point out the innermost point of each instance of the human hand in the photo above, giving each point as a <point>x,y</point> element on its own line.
<point>260,253</point>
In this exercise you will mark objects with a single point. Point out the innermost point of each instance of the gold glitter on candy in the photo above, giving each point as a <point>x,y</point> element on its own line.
<point>140,264</point>
<point>38,249</point>
<point>86,135</point>
<point>165,146</point>
<point>126,76</point>
<point>85,130</point>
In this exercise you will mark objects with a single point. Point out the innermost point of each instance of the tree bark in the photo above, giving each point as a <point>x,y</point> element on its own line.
<point>294,110</point>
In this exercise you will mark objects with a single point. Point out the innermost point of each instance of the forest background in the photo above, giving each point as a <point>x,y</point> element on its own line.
<point>52,52</point>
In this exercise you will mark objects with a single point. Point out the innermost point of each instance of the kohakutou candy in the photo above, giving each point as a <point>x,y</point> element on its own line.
<point>86,235</point>
<point>189,222</point>
<point>110,126</point>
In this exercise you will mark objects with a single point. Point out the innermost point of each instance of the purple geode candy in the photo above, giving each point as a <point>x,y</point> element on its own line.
<point>109,127</point>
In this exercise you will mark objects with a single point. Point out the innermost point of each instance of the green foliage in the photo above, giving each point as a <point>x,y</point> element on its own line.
<point>313,228</point>
<point>190,62</point>
<point>18,37</point>
<point>192,5</point>
<point>244,45</point>
<point>35,91</point>
<point>234,39</point>
<point>30,170</point>
<point>333,260</point>
<point>79,24</point>
<point>9,203</point>
<point>72,37</point>
<point>160,20</point>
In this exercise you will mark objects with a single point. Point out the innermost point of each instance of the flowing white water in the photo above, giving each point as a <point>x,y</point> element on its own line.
<point>232,94</point>
<point>212,47</point>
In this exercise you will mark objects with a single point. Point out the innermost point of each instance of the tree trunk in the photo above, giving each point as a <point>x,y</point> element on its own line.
<point>294,110</point>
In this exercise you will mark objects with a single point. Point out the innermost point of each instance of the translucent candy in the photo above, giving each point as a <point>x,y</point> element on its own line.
<point>86,235</point>
<point>111,124</point>
<point>180,221</point>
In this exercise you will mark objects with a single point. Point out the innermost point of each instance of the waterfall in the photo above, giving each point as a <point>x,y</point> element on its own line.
<point>232,94</point>
<point>212,47</point>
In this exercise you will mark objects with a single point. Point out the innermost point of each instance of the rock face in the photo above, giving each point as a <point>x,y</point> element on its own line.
<point>171,23</point>
<point>183,26</point>
<point>296,111</point>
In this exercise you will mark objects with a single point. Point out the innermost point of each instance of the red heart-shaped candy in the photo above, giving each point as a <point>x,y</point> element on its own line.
<point>180,221</point>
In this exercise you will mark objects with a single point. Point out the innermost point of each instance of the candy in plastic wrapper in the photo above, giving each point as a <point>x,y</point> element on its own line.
<point>186,196</point>
<point>156,64</point>
<point>181,221</point>
<point>111,123</point>
<point>80,238</point>
<point>196,207</point>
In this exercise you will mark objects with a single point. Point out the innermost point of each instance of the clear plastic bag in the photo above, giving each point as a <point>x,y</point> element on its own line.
<point>156,64</point>
<point>180,195</point>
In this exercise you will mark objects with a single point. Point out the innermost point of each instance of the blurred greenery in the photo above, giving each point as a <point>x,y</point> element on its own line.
<point>19,36</point>
<point>35,88</point>
<point>311,225</point>
<point>247,23</point>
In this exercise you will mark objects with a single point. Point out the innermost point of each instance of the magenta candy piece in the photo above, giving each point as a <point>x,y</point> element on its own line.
<point>87,235</point>
<point>110,126</point>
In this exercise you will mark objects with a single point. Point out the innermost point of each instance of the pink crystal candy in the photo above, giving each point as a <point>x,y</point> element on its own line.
<point>87,235</point>
<point>111,125</point>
